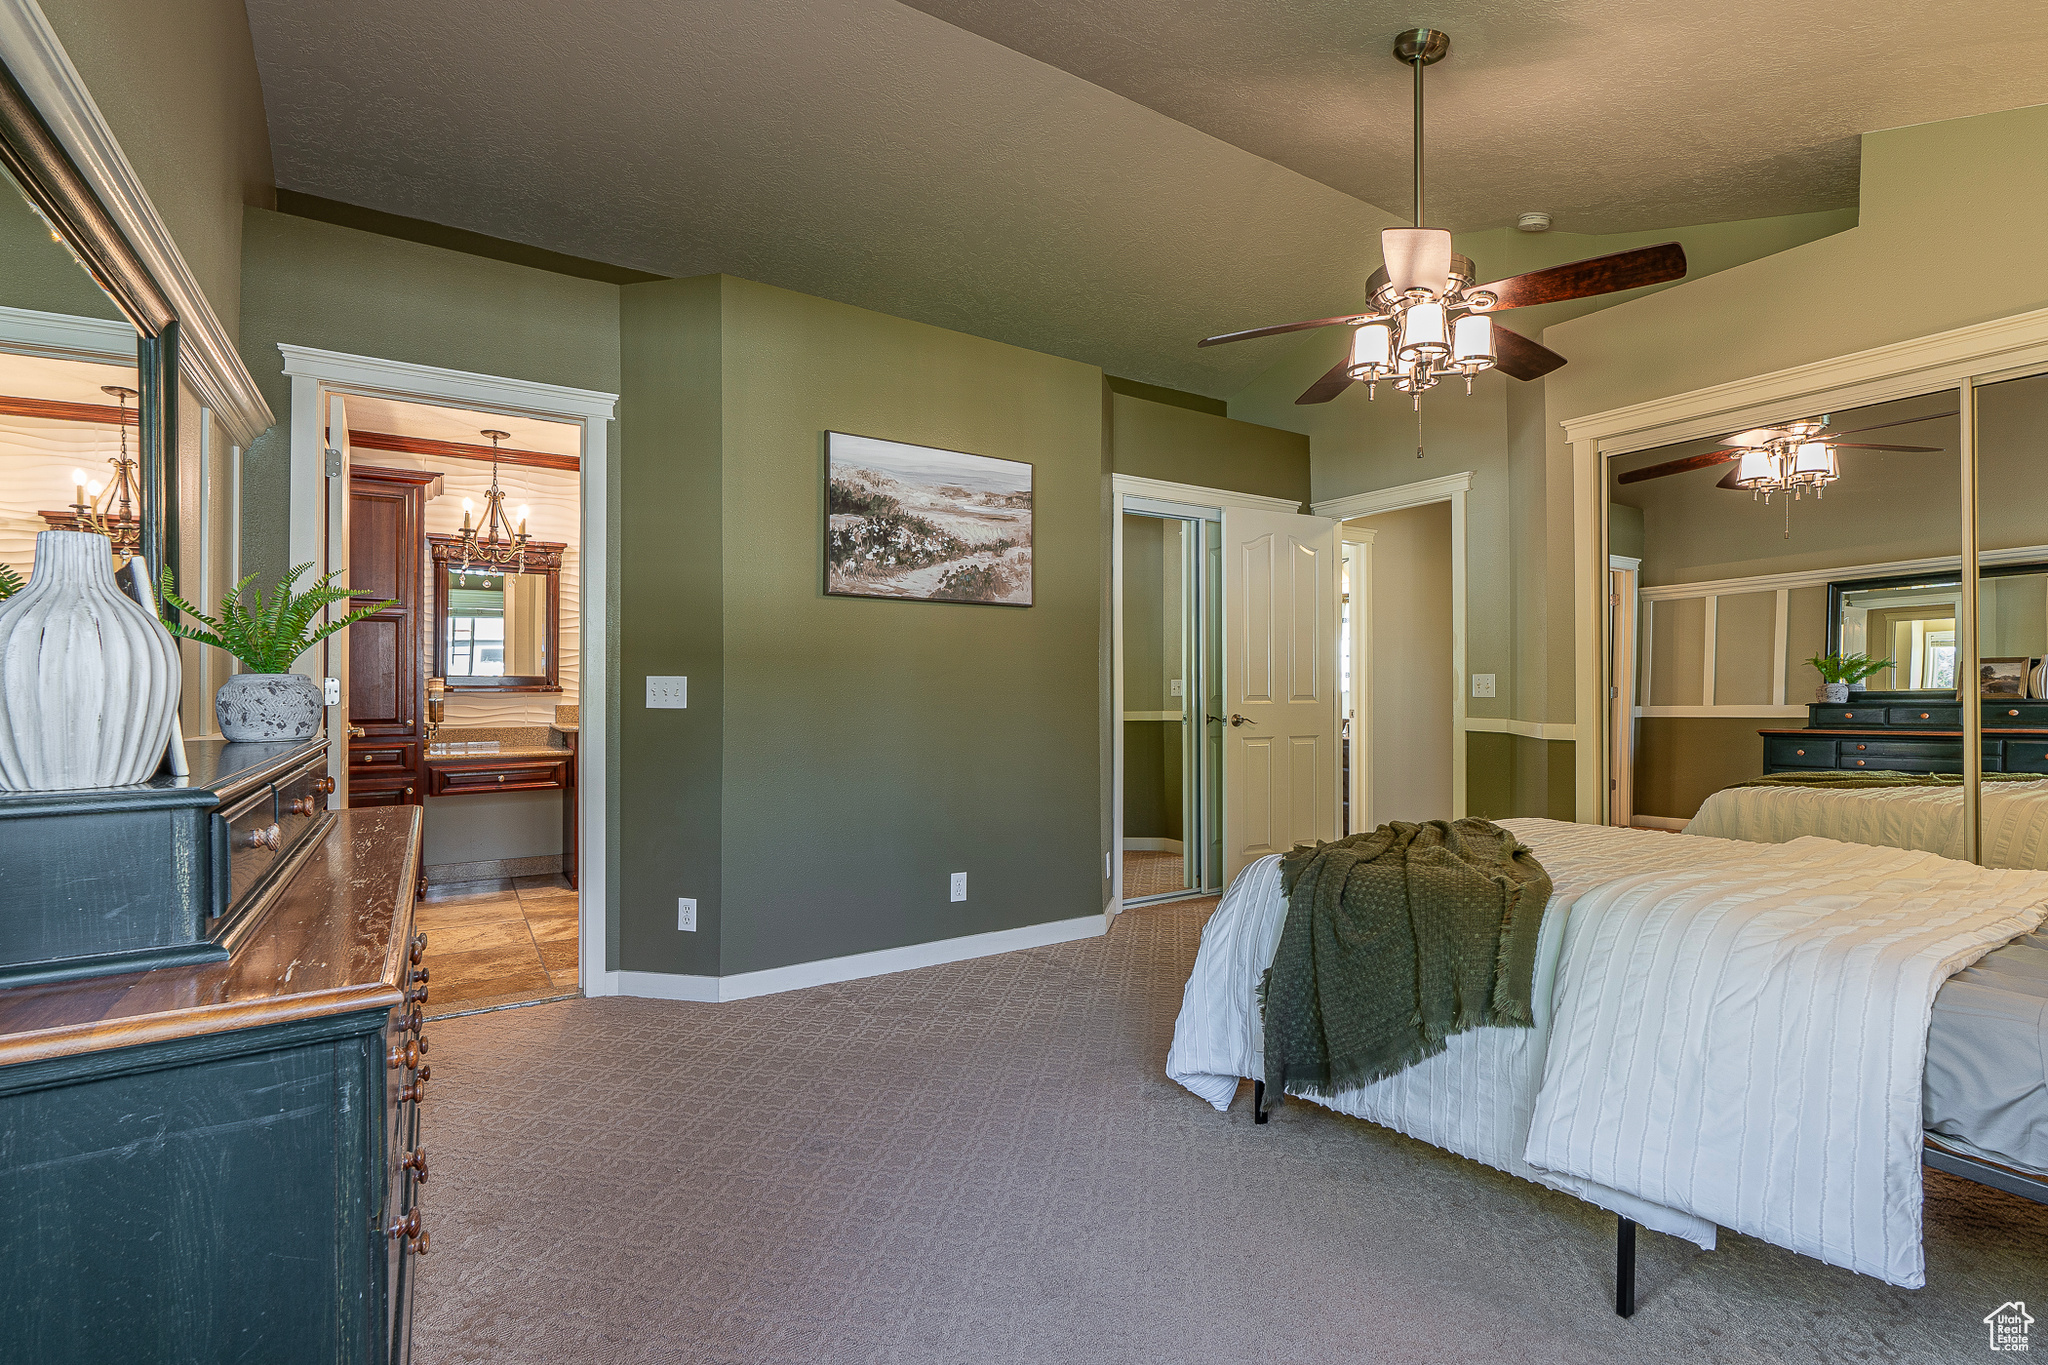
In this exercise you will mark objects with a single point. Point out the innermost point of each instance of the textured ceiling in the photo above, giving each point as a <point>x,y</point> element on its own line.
<point>869,152</point>
<point>1612,115</point>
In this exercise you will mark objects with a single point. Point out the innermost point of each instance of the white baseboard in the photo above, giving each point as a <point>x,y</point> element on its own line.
<point>1658,822</point>
<point>1153,846</point>
<point>744,985</point>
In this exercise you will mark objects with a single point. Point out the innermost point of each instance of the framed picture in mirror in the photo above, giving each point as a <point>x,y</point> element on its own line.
<point>497,619</point>
<point>2004,677</point>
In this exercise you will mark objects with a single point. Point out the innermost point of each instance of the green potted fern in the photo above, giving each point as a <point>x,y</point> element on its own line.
<point>268,701</point>
<point>1839,672</point>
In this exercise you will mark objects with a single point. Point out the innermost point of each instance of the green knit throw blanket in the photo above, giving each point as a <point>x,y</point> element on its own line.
<point>1394,941</point>
<point>1851,779</point>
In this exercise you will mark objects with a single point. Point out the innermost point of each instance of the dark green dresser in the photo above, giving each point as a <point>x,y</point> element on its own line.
<point>221,1160</point>
<point>1899,732</point>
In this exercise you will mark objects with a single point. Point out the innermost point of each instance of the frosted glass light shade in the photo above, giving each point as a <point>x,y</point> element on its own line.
<point>1372,349</point>
<point>1813,462</point>
<point>1472,341</point>
<point>1422,331</point>
<point>1757,469</point>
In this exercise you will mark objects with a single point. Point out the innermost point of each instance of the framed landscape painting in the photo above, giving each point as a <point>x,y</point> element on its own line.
<point>925,524</point>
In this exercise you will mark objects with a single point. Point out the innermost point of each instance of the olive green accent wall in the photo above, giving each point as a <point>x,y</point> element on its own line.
<point>454,239</point>
<point>668,766</point>
<point>1682,760</point>
<point>313,284</point>
<point>1513,775</point>
<point>1624,530</point>
<point>177,83</point>
<point>873,747</point>
<point>39,272</point>
<point>1162,441</point>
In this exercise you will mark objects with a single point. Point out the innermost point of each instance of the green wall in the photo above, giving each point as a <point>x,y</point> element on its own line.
<point>1682,760</point>
<point>1157,440</point>
<point>313,284</point>
<point>1514,775</point>
<point>178,85</point>
<point>39,272</point>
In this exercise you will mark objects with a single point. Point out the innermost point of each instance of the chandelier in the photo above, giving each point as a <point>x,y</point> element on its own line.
<point>1794,462</point>
<point>494,543</point>
<point>107,509</point>
<point>1428,327</point>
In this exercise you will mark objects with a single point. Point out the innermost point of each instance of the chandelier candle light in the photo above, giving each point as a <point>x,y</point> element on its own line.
<point>481,544</point>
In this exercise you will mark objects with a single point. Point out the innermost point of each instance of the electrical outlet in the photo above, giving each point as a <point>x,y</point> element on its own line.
<point>959,886</point>
<point>668,693</point>
<point>686,914</point>
<point>1482,685</point>
<point>1173,689</point>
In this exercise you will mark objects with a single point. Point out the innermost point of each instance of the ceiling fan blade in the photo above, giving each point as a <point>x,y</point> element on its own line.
<point>1520,358</point>
<point>1584,279</point>
<point>1417,258</point>
<point>1728,480</point>
<point>1330,385</point>
<point>1902,422</point>
<point>1684,466</point>
<point>1858,445</point>
<point>1347,320</point>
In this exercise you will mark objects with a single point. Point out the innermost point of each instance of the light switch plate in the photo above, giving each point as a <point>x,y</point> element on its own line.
<point>959,886</point>
<point>1173,689</point>
<point>686,914</point>
<point>668,693</point>
<point>1482,685</point>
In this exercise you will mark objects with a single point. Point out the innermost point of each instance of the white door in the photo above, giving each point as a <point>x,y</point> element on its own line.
<point>330,657</point>
<point>1280,769</point>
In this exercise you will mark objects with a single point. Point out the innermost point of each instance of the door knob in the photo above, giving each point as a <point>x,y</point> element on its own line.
<point>1236,719</point>
<point>357,732</point>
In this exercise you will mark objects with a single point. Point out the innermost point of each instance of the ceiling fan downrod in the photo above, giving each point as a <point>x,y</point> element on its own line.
<point>1420,47</point>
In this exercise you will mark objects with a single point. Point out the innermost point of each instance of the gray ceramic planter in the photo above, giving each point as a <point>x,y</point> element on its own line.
<point>268,707</point>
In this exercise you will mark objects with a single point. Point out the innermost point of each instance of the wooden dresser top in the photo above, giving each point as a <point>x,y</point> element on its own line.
<point>332,942</point>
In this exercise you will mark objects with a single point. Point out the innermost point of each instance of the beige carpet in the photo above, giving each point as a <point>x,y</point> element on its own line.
<point>1151,873</point>
<point>984,1162</point>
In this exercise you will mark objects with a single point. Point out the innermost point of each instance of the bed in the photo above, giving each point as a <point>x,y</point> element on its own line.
<point>1728,1033</point>
<point>2015,816</point>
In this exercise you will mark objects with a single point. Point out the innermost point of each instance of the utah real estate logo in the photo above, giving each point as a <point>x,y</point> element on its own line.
<point>2008,1325</point>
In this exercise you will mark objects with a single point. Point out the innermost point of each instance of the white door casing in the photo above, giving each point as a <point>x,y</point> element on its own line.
<point>1280,610</point>
<point>334,559</point>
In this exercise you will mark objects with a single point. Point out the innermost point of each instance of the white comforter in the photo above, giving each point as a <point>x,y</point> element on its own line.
<point>1726,1032</point>
<point>1925,818</point>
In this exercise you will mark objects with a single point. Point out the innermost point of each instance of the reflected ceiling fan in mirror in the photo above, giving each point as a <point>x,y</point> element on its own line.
<point>1426,321</point>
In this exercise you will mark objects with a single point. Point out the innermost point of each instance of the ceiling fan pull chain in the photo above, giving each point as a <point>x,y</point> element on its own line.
<point>1418,426</point>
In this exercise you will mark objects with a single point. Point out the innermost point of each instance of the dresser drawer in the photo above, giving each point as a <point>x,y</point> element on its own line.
<point>1900,756</point>
<point>2022,715</point>
<point>1780,752</point>
<point>370,756</point>
<point>1852,714</point>
<point>301,797</point>
<point>523,775</point>
<point>252,840</point>
<point>2024,756</point>
<point>1924,717</point>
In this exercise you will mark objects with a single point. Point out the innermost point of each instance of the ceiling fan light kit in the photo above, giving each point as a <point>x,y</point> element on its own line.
<point>1426,322</point>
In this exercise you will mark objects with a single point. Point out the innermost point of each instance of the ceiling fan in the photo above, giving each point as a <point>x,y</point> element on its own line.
<point>1426,320</point>
<point>1794,457</point>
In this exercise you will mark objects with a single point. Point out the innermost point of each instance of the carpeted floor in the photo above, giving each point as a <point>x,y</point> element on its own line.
<point>984,1162</point>
<point>1148,872</point>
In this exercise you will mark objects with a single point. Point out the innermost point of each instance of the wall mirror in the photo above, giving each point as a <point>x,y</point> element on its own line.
<point>88,362</point>
<point>497,628</point>
<point>1911,620</point>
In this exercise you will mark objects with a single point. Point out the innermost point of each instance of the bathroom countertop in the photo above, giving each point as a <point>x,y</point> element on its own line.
<point>497,741</point>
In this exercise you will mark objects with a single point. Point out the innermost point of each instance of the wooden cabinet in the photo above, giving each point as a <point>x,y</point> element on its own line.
<point>222,1161</point>
<point>386,692</point>
<point>1889,733</point>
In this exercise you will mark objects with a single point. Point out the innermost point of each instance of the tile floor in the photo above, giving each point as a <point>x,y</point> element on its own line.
<point>498,943</point>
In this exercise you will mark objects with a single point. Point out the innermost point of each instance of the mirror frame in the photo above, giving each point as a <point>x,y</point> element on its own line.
<point>1947,578</point>
<point>53,185</point>
<point>543,559</point>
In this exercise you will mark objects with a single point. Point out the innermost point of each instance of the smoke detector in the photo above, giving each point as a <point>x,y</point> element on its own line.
<point>1533,222</point>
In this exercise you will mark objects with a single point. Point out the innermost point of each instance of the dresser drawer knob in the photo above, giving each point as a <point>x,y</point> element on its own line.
<point>415,1093</point>
<point>271,839</point>
<point>303,805</point>
<point>1848,715</point>
<point>414,1020</point>
<point>406,1054</point>
<point>419,1244</point>
<point>1801,752</point>
<point>408,1226</point>
<point>1862,746</point>
<point>1859,762</point>
<point>417,996</point>
<point>419,941</point>
<point>416,1161</point>
<point>2012,713</point>
<point>325,786</point>
<point>501,776</point>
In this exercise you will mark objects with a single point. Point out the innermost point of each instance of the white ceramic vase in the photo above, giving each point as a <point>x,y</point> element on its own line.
<point>1837,693</point>
<point>88,679</point>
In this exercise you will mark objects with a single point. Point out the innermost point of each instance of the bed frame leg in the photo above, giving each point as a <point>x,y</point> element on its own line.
<point>1258,1101</point>
<point>1624,1266</point>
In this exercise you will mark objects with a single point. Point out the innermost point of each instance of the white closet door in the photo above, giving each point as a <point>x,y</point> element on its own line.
<point>1280,763</point>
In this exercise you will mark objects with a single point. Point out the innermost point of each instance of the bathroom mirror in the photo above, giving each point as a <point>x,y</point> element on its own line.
<point>497,628</point>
